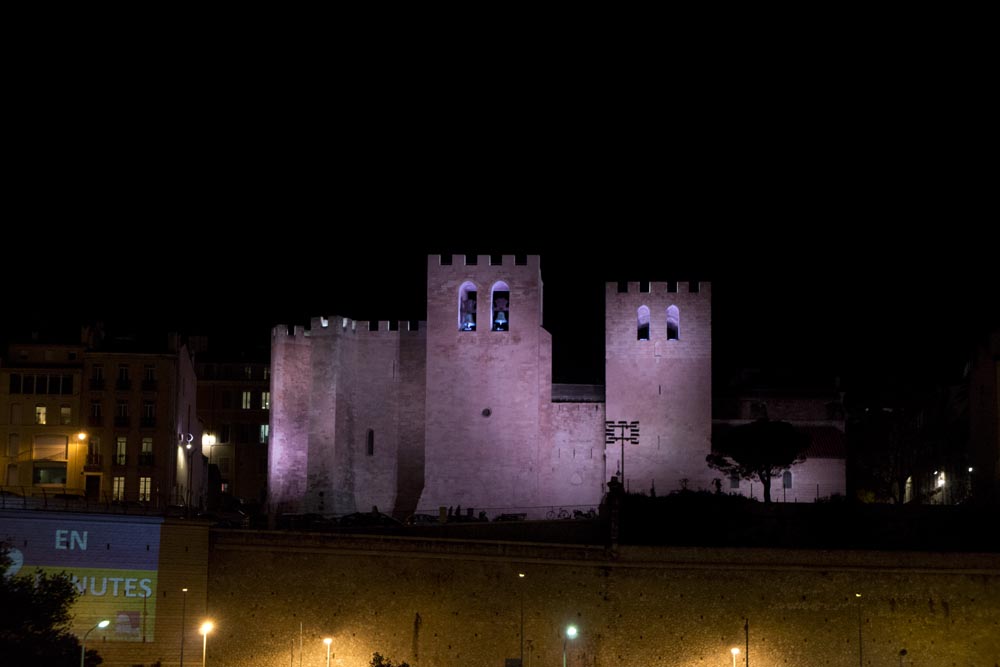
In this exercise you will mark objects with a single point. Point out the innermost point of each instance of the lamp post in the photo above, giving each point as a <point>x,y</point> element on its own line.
<point>328,641</point>
<point>183,620</point>
<point>735,652</point>
<point>569,634</point>
<point>206,627</point>
<point>520,575</point>
<point>860,647</point>
<point>83,642</point>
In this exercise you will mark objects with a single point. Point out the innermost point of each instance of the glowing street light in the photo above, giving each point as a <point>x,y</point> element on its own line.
<point>183,615</point>
<point>520,575</point>
<point>860,648</point>
<point>328,641</point>
<point>570,634</point>
<point>735,652</point>
<point>205,628</point>
<point>83,643</point>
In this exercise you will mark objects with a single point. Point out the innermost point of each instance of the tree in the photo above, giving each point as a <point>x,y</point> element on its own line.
<point>379,661</point>
<point>34,619</point>
<point>761,449</point>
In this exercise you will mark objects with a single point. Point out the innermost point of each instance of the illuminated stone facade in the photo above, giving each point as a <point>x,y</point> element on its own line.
<point>459,411</point>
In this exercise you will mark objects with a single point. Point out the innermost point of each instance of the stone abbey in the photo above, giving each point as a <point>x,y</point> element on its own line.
<point>461,410</point>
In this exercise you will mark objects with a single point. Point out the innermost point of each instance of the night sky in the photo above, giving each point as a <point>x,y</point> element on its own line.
<point>842,217</point>
<point>815,298</point>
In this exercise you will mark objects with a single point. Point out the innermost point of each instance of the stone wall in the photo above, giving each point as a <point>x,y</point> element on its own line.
<point>455,603</point>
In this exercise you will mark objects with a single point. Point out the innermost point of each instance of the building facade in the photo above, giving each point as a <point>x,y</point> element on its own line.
<point>459,411</point>
<point>108,424</point>
<point>234,402</point>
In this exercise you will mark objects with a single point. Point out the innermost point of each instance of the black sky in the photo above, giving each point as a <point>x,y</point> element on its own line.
<point>843,216</point>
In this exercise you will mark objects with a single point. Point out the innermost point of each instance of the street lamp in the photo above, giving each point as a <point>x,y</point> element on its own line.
<point>205,628</point>
<point>83,643</point>
<point>570,634</point>
<point>860,648</point>
<point>184,600</point>
<point>520,575</point>
<point>735,652</point>
<point>328,641</point>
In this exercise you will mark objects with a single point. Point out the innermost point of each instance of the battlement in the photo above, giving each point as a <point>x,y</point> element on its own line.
<point>345,325</point>
<point>285,331</point>
<point>460,262</point>
<point>622,288</point>
<point>320,326</point>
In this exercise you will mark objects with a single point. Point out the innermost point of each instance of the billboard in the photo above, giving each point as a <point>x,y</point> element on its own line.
<point>111,560</point>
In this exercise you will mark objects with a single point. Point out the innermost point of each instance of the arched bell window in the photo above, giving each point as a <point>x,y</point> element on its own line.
<point>500,310</point>
<point>642,323</point>
<point>467,307</point>
<point>673,323</point>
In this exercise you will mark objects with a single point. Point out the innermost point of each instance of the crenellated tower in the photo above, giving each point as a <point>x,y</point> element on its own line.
<point>486,358</point>
<point>658,356</point>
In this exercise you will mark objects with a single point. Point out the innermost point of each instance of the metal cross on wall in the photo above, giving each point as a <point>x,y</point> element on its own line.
<point>621,432</point>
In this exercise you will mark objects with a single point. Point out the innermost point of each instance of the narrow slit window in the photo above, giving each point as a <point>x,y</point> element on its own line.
<point>786,479</point>
<point>467,307</point>
<point>501,307</point>
<point>673,323</point>
<point>642,324</point>
<point>370,444</point>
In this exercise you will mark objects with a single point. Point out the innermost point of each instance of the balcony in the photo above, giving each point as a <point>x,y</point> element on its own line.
<point>123,421</point>
<point>95,420</point>
<point>123,385</point>
<point>146,459</point>
<point>148,422</point>
<point>149,385</point>
<point>94,461</point>
<point>97,384</point>
<point>120,459</point>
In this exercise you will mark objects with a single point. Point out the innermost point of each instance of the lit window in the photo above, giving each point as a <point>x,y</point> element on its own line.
<point>121,448</point>
<point>501,307</point>
<point>65,415</point>
<point>467,307</point>
<point>673,323</point>
<point>264,428</point>
<point>146,452</point>
<point>40,414</point>
<point>786,480</point>
<point>246,400</point>
<point>118,488</point>
<point>642,323</point>
<point>265,400</point>
<point>370,446</point>
<point>144,486</point>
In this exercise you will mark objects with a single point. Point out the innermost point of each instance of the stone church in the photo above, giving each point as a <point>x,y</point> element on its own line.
<point>461,410</point>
